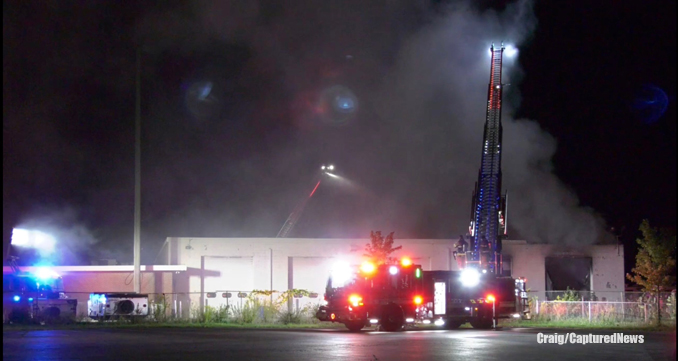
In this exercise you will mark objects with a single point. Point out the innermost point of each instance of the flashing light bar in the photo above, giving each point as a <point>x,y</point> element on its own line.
<point>355,300</point>
<point>367,267</point>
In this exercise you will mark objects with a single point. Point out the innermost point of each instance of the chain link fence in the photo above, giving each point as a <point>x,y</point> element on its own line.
<point>626,307</point>
<point>226,306</point>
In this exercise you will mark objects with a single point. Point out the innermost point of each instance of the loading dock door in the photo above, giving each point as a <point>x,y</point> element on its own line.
<point>311,274</point>
<point>227,274</point>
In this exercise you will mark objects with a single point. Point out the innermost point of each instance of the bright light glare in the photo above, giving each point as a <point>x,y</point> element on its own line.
<point>409,320</point>
<point>331,167</point>
<point>439,322</point>
<point>367,267</point>
<point>374,320</point>
<point>45,273</point>
<point>393,270</point>
<point>426,322</point>
<point>355,300</point>
<point>332,175</point>
<point>406,262</point>
<point>33,239</point>
<point>16,298</point>
<point>418,300</point>
<point>469,277</point>
<point>516,315</point>
<point>510,50</point>
<point>341,274</point>
<point>323,167</point>
<point>490,298</point>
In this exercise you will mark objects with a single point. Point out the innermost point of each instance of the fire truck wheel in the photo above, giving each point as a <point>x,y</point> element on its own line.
<point>17,316</point>
<point>452,325</point>
<point>482,324</point>
<point>355,326</point>
<point>392,318</point>
<point>52,312</point>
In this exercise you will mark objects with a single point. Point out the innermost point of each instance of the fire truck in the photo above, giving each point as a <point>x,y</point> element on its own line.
<point>35,297</point>
<point>388,295</point>
<point>393,295</point>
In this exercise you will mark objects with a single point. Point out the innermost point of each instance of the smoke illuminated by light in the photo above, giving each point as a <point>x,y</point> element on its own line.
<point>510,50</point>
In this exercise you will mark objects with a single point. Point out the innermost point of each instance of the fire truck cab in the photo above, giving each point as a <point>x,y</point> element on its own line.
<point>387,295</point>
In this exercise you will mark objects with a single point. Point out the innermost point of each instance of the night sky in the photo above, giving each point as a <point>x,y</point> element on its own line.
<point>243,101</point>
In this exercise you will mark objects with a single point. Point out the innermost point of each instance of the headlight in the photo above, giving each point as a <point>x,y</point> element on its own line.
<point>469,277</point>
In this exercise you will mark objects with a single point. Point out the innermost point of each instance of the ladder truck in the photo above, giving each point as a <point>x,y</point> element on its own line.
<point>299,208</point>
<point>478,293</point>
<point>481,283</point>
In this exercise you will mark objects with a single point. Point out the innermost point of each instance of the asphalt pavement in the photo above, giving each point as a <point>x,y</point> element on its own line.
<point>207,344</point>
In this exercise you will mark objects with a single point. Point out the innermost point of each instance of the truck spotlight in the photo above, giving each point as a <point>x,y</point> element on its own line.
<point>489,298</point>
<point>406,262</point>
<point>393,270</point>
<point>367,267</point>
<point>469,277</point>
<point>418,300</point>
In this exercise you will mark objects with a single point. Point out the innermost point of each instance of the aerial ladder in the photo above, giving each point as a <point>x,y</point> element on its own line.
<point>299,208</point>
<point>488,215</point>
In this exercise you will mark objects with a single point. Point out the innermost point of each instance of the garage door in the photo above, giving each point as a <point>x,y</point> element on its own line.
<point>311,273</point>
<point>229,274</point>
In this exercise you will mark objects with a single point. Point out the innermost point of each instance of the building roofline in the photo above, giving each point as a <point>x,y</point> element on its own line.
<point>123,268</point>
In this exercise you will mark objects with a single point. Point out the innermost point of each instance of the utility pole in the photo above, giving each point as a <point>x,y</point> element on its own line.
<point>137,180</point>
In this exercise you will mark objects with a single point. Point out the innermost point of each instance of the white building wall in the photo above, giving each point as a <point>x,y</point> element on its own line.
<point>312,258</point>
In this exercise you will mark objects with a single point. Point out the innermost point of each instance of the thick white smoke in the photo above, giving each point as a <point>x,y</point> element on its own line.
<point>420,75</point>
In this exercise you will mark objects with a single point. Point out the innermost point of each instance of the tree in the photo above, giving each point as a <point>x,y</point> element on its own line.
<point>655,261</point>
<point>380,248</point>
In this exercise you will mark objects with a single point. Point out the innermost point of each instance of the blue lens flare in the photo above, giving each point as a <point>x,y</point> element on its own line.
<point>650,103</point>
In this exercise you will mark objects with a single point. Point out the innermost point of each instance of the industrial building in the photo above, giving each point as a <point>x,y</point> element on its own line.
<point>228,266</point>
<point>199,271</point>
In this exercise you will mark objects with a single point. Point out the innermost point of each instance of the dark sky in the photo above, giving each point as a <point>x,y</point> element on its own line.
<point>237,117</point>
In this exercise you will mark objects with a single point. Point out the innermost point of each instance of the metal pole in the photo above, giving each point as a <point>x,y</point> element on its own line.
<point>659,312</point>
<point>137,180</point>
<point>494,318</point>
